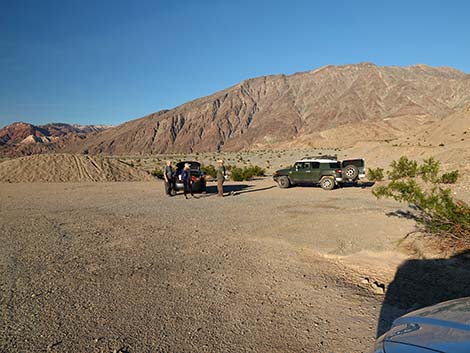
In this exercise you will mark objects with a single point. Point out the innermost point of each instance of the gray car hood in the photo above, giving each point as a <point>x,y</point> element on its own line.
<point>444,327</point>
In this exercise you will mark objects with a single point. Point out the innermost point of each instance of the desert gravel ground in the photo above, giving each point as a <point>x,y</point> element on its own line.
<point>120,267</point>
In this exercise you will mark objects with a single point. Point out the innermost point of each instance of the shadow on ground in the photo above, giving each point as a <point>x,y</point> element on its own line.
<point>420,283</point>
<point>236,189</point>
<point>411,213</point>
<point>361,185</point>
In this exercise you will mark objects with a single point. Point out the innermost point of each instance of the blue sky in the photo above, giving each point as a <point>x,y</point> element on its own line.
<point>106,62</point>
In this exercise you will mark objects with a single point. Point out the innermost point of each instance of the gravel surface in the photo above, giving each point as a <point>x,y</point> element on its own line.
<point>120,267</point>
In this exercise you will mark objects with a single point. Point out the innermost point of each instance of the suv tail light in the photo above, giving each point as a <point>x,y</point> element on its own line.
<point>338,171</point>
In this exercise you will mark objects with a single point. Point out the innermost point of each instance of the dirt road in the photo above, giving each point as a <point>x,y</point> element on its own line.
<point>103,267</point>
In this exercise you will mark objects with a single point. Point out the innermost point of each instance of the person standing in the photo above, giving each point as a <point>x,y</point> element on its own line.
<point>220,178</point>
<point>169,178</point>
<point>187,182</point>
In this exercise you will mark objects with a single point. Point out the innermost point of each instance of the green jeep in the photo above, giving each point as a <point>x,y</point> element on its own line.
<point>326,171</point>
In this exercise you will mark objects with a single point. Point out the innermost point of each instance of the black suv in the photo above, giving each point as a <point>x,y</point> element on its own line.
<point>198,177</point>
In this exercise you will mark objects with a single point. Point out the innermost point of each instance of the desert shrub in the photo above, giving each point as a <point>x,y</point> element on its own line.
<point>209,170</point>
<point>237,174</point>
<point>429,170</point>
<point>257,170</point>
<point>436,209</point>
<point>246,173</point>
<point>403,168</point>
<point>450,177</point>
<point>157,172</point>
<point>375,174</point>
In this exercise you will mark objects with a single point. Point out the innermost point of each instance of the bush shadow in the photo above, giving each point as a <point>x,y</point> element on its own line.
<point>403,214</point>
<point>419,283</point>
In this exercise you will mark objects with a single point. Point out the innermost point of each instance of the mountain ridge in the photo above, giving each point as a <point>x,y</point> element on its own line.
<point>275,109</point>
<point>308,108</point>
<point>21,138</point>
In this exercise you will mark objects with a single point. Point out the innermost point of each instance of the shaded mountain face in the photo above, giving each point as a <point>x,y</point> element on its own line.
<point>24,139</point>
<point>277,111</point>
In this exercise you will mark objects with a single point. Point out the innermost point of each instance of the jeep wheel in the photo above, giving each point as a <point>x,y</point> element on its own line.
<point>327,183</point>
<point>350,172</point>
<point>283,182</point>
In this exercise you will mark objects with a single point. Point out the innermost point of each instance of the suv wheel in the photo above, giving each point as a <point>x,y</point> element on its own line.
<point>283,182</point>
<point>327,183</point>
<point>350,172</point>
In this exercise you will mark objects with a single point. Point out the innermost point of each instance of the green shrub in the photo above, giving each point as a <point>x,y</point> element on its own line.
<point>157,172</point>
<point>209,170</point>
<point>246,173</point>
<point>429,170</point>
<point>376,174</point>
<point>257,170</point>
<point>237,174</point>
<point>402,168</point>
<point>436,209</point>
<point>450,178</point>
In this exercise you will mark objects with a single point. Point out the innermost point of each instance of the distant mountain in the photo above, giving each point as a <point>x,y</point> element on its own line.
<point>24,139</point>
<point>333,105</point>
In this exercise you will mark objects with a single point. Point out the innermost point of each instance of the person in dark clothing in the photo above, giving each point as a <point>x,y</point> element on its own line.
<point>168,175</point>
<point>187,182</point>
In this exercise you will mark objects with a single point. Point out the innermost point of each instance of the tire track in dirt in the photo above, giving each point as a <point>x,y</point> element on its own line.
<point>77,163</point>
<point>68,168</point>
<point>86,171</point>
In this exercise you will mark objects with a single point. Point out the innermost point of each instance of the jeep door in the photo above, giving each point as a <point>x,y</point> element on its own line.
<point>302,173</point>
<point>315,172</point>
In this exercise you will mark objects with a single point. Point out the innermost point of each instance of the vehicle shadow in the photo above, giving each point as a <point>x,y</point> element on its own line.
<point>362,185</point>
<point>419,283</point>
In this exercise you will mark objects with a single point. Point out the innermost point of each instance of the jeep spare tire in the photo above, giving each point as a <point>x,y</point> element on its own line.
<point>350,172</point>
<point>283,182</point>
<point>327,183</point>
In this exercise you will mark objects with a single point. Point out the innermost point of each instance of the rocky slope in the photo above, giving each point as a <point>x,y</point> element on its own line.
<point>454,129</point>
<point>328,106</point>
<point>23,139</point>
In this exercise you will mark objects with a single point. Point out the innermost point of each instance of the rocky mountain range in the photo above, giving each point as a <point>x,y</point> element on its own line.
<point>329,106</point>
<point>24,138</point>
<point>333,105</point>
